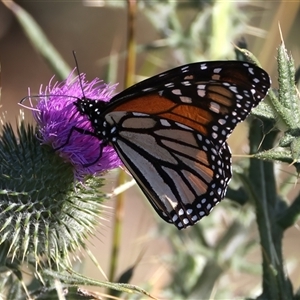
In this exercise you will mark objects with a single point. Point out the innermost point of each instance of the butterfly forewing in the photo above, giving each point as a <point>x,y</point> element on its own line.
<point>240,73</point>
<point>210,97</point>
<point>170,132</point>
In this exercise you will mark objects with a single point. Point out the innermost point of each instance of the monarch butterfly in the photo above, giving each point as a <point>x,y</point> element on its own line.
<point>170,131</point>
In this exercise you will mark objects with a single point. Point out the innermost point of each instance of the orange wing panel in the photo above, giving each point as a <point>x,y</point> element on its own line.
<point>221,95</point>
<point>189,115</point>
<point>149,104</point>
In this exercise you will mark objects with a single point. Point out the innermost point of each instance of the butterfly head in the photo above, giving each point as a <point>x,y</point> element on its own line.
<point>83,105</point>
<point>89,107</point>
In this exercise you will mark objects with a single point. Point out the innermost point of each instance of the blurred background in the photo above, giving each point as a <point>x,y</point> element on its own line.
<point>168,34</point>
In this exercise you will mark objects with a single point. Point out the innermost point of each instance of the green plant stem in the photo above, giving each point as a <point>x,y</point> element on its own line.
<point>131,45</point>
<point>221,260</point>
<point>262,190</point>
<point>73,278</point>
<point>239,196</point>
<point>207,280</point>
<point>290,215</point>
<point>220,13</point>
<point>118,221</point>
<point>129,80</point>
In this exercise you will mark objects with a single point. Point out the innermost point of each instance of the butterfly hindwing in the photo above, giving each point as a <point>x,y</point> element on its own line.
<point>180,171</point>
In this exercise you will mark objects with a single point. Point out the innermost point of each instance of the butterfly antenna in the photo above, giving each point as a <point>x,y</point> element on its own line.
<point>23,99</point>
<point>79,74</point>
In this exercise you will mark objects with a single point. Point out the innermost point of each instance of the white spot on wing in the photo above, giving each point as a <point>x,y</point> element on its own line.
<point>149,89</point>
<point>233,89</point>
<point>170,84</point>
<point>138,114</point>
<point>185,99</point>
<point>215,107</point>
<point>165,123</point>
<point>188,77</point>
<point>177,92</point>
<point>183,126</point>
<point>201,93</point>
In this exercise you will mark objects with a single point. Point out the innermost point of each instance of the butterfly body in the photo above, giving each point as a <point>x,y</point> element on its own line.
<point>170,131</point>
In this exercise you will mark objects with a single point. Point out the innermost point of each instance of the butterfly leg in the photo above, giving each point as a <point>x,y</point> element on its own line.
<point>85,132</point>
<point>74,128</point>
<point>96,160</point>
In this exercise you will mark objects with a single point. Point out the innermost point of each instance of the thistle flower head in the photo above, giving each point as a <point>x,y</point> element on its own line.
<point>45,214</point>
<point>57,116</point>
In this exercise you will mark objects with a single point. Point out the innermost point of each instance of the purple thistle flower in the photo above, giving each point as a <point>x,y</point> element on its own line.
<point>56,115</point>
